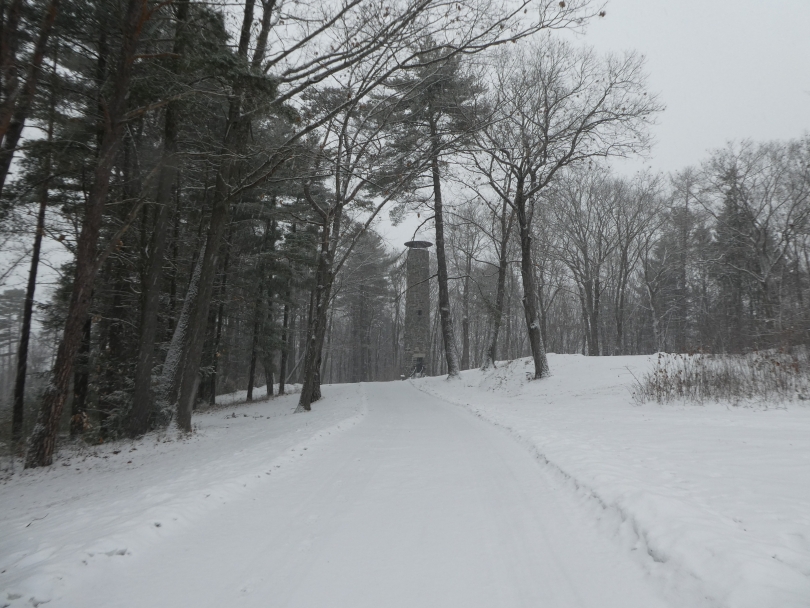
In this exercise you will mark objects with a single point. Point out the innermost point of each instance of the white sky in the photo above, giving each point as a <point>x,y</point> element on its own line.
<point>725,69</point>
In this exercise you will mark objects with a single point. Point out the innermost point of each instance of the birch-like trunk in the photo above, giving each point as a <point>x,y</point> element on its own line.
<point>169,382</point>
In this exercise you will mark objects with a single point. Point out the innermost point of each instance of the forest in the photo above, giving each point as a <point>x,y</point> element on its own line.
<point>214,181</point>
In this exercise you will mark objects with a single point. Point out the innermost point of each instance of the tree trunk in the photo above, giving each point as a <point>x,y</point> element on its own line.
<point>316,331</point>
<point>595,349</point>
<point>138,422</point>
<point>169,383</point>
<point>497,315</point>
<point>448,333</point>
<point>285,349</point>
<point>81,382</point>
<point>269,380</point>
<point>656,324</point>
<point>465,320</point>
<point>111,347</point>
<point>28,309</point>
<point>43,439</point>
<point>621,297</point>
<point>192,353</point>
<point>541,369</point>
<point>22,351</point>
<point>253,347</point>
<point>326,352</point>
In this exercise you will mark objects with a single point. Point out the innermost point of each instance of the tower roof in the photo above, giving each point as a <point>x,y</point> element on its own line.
<point>419,244</point>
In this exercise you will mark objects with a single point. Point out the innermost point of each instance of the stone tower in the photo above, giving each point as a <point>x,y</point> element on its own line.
<point>417,309</point>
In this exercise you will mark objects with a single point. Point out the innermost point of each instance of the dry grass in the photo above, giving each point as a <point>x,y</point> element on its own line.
<point>765,376</point>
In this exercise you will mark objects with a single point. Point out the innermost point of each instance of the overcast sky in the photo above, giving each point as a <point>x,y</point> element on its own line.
<point>725,69</point>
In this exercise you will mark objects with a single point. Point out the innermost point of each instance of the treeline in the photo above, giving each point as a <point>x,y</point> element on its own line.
<point>214,172</point>
<point>713,259</point>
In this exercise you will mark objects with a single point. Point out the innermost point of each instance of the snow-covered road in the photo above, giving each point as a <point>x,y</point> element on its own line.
<point>419,504</point>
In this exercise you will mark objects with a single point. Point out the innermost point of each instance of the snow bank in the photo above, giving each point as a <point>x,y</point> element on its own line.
<point>715,498</point>
<point>61,524</point>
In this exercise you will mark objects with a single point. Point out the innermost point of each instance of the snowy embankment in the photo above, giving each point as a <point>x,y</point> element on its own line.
<point>715,498</point>
<point>97,503</point>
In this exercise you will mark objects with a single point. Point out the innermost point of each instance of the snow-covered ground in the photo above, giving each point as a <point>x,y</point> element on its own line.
<point>716,498</point>
<point>559,493</point>
<point>105,503</point>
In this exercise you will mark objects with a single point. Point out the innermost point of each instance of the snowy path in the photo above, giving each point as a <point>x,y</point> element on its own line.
<point>418,505</point>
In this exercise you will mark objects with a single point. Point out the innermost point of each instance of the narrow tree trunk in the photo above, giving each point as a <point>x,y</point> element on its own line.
<point>465,319</point>
<point>259,311</point>
<point>509,316</point>
<point>621,290</point>
<point>327,352</point>
<point>448,333</point>
<point>285,349</point>
<point>595,349</point>
<point>43,439</point>
<point>254,346</point>
<point>292,343</point>
<point>656,324</point>
<point>683,300</point>
<point>22,351</point>
<point>252,369</point>
<point>620,326</point>
<point>28,309</point>
<point>215,354</point>
<point>171,321</point>
<point>543,306</point>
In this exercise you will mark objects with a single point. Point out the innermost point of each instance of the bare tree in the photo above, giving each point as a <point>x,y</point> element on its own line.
<point>557,105</point>
<point>466,243</point>
<point>584,207</point>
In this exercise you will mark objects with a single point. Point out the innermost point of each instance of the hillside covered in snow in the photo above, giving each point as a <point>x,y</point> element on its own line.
<point>717,496</point>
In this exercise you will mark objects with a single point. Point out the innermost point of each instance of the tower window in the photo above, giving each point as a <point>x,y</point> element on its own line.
<point>418,313</point>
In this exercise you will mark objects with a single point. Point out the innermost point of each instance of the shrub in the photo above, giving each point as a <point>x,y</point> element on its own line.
<point>755,376</point>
